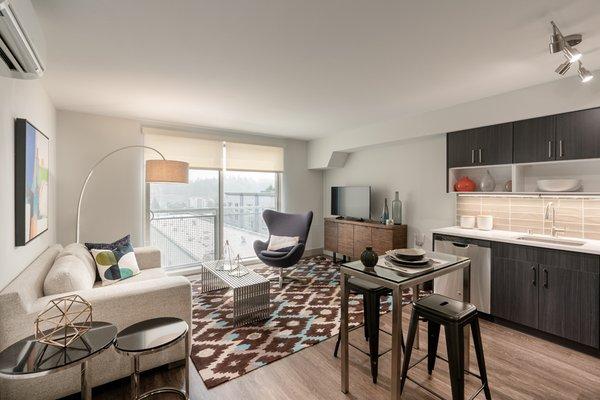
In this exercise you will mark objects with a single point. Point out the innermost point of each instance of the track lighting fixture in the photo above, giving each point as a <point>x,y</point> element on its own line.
<point>584,74</point>
<point>566,45</point>
<point>563,68</point>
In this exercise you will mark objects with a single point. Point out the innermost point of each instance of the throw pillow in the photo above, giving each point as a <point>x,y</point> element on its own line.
<point>78,250</point>
<point>109,246</point>
<point>116,264</point>
<point>67,274</point>
<point>277,243</point>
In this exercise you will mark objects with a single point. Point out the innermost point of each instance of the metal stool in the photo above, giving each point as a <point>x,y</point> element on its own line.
<point>454,315</point>
<point>371,305</point>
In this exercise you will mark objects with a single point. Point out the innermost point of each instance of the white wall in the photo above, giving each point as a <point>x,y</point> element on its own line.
<point>562,95</point>
<point>113,204</point>
<point>22,99</point>
<point>415,168</point>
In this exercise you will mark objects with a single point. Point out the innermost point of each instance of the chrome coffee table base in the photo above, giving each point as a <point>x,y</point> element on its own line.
<point>251,298</point>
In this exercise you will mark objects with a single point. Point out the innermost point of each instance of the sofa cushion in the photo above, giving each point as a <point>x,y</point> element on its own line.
<point>68,274</point>
<point>144,275</point>
<point>109,246</point>
<point>116,264</point>
<point>80,251</point>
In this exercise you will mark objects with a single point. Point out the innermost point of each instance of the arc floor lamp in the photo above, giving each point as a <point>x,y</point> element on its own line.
<point>160,171</point>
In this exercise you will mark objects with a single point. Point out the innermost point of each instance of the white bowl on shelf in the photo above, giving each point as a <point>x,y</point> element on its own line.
<point>558,185</point>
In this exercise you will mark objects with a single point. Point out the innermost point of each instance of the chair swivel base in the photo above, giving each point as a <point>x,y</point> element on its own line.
<point>282,278</point>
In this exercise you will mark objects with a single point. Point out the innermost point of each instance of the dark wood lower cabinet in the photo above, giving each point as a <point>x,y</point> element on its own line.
<point>514,291</point>
<point>568,304</point>
<point>557,292</point>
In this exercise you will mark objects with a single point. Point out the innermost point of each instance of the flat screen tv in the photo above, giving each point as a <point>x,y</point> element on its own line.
<point>352,202</point>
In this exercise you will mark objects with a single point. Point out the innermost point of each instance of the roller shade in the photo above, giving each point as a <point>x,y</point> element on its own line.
<point>199,153</point>
<point>252,157</point>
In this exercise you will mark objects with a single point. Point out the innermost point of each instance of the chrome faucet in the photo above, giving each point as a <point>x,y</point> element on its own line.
<point>554,229</point>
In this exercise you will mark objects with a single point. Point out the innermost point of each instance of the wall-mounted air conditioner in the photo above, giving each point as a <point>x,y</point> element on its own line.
<point>21,41</point>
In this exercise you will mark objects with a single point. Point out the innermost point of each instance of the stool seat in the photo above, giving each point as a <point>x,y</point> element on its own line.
<point>365,285</point>
<point>445,307</point>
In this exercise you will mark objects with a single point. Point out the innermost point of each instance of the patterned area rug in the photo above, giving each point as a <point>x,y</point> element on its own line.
<point>302,315</point>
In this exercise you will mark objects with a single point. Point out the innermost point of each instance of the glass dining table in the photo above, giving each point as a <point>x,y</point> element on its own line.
<point>398,279</point>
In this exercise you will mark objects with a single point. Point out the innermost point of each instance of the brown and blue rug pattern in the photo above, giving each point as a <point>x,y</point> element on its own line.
<point>302,315</point>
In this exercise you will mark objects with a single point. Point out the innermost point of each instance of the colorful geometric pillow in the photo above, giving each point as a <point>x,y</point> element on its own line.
<point>116,264</point>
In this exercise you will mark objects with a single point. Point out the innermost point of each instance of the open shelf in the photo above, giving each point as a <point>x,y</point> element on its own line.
<point>525,176</point>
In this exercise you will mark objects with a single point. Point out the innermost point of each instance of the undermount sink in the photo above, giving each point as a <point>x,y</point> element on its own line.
<point>550,239</point>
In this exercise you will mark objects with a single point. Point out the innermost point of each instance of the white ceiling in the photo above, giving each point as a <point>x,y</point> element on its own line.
<point>303,68</point>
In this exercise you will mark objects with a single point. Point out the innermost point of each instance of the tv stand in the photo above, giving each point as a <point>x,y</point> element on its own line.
<point>349,237</point>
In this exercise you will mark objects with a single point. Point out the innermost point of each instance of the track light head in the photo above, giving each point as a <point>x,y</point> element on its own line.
<point>571,53</point>
<point>563,68</point>
<point>584,74</point>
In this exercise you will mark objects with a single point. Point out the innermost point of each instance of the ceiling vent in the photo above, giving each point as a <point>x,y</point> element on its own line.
<point>20,41</point>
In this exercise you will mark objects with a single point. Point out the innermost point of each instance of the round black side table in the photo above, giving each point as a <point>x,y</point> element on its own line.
<point>149,337</point>
<point>29,358</point>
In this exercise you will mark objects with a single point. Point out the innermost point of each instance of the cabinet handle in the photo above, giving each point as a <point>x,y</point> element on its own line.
<point>549,148</point>
<point>479,156</point>
<point>561,154</point>
<point>534,280</point>
<point>545,278</point>
<point>472,156</point>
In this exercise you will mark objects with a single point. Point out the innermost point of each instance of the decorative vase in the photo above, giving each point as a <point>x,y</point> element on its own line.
<point>385,213</point>
<point>369,258</point>
<point>397,210</point>
<point>464,184</point>
<point>508,186</point>
<point>488,184</point>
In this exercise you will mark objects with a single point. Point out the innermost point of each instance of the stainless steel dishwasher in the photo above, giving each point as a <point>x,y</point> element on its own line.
<point>480,253</point>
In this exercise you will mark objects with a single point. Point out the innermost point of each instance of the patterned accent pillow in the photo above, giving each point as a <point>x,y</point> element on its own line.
<point>116,264</point>
<point>109,246</point>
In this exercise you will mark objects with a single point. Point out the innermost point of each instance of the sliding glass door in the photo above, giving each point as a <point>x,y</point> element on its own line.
<point>246,196</point>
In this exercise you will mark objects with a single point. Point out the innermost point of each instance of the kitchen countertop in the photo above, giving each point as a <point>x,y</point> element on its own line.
<point>589,246</point>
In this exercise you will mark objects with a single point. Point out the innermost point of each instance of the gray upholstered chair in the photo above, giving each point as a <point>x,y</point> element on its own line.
<point>282,224</point>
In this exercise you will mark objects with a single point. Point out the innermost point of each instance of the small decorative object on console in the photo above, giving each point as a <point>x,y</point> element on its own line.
<point>467,221</point>
<point>63,321</point>
<point>385,213</point>
<point>464,184</point>
<point>488,184</point>
<point>508,186</point>
<point>485,222</point>
<point>369,258</point>
<point>397,209</point>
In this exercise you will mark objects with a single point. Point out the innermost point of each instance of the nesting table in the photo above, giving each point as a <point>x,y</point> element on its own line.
<point>29,358</point>
<point>251,301</point>
<point>151,336</point>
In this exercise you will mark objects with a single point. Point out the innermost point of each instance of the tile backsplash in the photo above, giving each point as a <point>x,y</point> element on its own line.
<point>580,216</point>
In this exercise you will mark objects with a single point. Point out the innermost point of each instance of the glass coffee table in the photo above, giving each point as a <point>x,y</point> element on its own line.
<point>148,337</point>
<point>29,358</point>
<point>251,301</point>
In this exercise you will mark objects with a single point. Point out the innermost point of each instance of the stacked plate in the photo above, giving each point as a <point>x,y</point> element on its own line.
<point>407,257</point>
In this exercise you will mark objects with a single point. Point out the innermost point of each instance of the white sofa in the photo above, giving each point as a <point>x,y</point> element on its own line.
<point>147,295</point>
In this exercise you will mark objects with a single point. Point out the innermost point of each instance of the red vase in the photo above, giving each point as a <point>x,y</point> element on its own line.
<point>464,184</point>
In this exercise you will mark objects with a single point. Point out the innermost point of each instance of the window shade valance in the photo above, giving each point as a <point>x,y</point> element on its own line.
<point>252,157</point>
<point>208,153</point>
<point>199,153</point>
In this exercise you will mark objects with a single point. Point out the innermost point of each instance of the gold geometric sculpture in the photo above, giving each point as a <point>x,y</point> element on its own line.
<point>63,321</point>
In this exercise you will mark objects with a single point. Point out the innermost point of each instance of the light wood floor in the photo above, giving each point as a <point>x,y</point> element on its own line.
<point>519,366</point>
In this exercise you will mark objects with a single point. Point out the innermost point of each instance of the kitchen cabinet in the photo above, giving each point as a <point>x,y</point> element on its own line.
<point>489,145</point>
<point>534,140</point>
<point>578,135</point>
<point>557,292</point>
<point>514,291</point>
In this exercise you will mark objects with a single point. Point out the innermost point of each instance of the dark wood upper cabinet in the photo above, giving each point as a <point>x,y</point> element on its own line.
<point>488,145</point>
<point>534,140</point>
<point>460,149</point>
<point>578,135</point>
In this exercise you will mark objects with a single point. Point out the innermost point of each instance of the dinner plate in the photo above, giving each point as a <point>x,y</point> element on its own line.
<point>408,264</point>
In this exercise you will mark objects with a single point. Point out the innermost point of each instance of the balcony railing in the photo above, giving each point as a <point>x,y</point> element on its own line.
<point>189,236</point>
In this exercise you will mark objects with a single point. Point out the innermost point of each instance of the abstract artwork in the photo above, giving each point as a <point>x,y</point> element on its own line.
<point>32,151</point>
